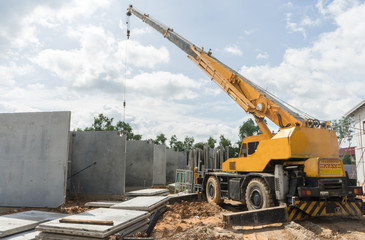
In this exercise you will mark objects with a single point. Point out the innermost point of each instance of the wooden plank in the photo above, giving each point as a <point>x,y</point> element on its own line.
<point>85,221</point>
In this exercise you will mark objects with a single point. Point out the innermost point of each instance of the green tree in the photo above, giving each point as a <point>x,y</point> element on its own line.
<point>160,139</point>
<point>224,141</point>
<point>347,159</point>
<point>199,145</point>
<point>188,143</point>
<point>101,123</point>
<point>176,144</point>
<point>343,128</point>
<point>211,142</point>
<point>126,129</point>
<point>248,128</point>
<point>104,123</point>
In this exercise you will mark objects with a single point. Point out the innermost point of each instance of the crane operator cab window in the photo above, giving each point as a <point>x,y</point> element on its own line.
<point>251,147</point>
<point>248,148</point>
<point>243,150</point>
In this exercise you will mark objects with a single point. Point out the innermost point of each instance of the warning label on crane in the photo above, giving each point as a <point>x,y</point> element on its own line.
<point>331,167</point>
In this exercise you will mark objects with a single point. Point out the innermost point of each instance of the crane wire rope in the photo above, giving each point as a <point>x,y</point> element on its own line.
<point>125,67</point>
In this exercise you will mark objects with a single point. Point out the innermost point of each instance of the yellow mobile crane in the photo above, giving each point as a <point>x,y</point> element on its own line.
<point>298,168</point>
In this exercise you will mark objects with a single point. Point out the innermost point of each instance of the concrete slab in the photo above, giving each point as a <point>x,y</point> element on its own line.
<point>33,161</point>
<point>102,204</point>
<point>121,218</point>
<point>139,168</point>
<point>149,203</point>
<point>28,235</point>
<point>23,221</point>
<point>98,164</point>
<point>159,165</point>
<point>137,227</point>
<point>148,192</point>
<point>179,197</point>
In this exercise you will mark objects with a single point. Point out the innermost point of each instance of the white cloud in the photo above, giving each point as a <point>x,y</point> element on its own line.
<point>306,21</point>
<point>295,27</point>
<point>335,7</point>
<point>100,58</point>
<point>262,55</point>
<point>233,49</point>
<point>325,79</point>
<point>22,30</point>
<point>164,85</point>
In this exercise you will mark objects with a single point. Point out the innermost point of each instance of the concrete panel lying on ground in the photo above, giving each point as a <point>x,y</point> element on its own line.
<point>101,204</point>
<point>33,162</point>
<point>28,235</point>
<point>122,220</point>
<point>98,164</point>
<point>149,203</point>
<point>149,192</point>
<point>174,160</point>
<point>23,221</point>
<point>139,168</point>
<point>159,165</point>
<point>179,197</point>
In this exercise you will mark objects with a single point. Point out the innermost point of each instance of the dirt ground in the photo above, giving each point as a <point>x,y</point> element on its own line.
<point>201,221</point>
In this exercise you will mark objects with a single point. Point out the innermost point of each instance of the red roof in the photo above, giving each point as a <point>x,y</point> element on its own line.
<point>349,150</point>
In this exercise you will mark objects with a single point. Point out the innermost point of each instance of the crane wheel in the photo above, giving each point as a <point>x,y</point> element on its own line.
<point>258,195</point>
<point>213,191</point>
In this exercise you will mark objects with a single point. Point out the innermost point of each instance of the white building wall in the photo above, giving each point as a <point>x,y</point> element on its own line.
<point>359,136</point>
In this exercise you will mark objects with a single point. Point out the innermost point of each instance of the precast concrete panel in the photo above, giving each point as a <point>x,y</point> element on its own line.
<point>98,163</point>
<point>174,160</point>
<point>139,168</point>
<point>159,165</point>
<point>33,159</point>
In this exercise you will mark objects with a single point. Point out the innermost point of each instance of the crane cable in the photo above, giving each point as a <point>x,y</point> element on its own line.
<point>125,66</point>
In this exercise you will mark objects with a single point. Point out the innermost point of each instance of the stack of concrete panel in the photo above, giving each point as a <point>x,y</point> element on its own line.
<point>149,192</point>
<point>122,221</point>
<point>33,160</point>
<point>148,203</point>
<point>98,165</point>
<point>15,223</point>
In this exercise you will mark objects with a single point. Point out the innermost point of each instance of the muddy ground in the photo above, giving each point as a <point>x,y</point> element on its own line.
<point>201,220</point>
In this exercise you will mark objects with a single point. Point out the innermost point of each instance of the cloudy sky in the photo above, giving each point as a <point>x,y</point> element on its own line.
<point>73,55</point>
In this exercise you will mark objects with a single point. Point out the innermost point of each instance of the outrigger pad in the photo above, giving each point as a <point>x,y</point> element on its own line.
<point>257,217</point>
<point>305,209</point>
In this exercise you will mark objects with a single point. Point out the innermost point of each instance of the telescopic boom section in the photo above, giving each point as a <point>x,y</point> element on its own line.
<point>252,98</point>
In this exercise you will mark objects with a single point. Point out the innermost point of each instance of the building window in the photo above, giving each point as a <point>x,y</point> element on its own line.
<point>363,127</point>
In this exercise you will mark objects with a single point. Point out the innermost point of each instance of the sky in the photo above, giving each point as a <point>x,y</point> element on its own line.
<point>73,55</point>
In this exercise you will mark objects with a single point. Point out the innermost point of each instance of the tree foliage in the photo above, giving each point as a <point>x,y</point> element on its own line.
<point>181,146</point>
<point>224,141</point>
<point>343,128</point>
<point>347,159</point>
<point>211,142</point>
<point>104,123</point>
<point>248,128</point>
<point>199,145</point>
<point>160,139</point>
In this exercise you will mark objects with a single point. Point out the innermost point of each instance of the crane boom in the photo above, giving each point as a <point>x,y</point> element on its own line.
<point>249,96</point>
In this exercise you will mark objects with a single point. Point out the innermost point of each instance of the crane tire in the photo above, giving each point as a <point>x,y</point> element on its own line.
<point>212,191</point>
<point>258,195</point>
